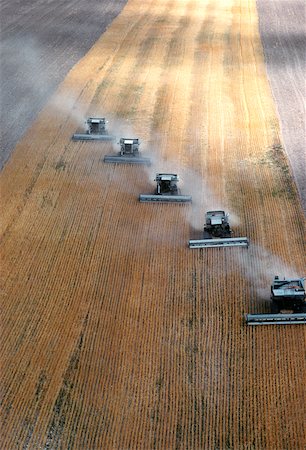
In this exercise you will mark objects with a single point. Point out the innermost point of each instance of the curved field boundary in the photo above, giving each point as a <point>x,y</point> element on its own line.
<point>115,334</point>
<point>283,32</point>
<point>40,43</point>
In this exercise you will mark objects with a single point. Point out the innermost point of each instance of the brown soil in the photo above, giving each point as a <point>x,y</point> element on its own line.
<point>40,42</point>
<point>114,334</point>
<point>282,29</point>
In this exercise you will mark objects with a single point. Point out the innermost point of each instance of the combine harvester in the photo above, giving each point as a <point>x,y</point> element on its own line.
<point>129,153</point>
<point>166,190</point>
<point>288,304</point>
<point>96,131</point>
<point>217,233</point>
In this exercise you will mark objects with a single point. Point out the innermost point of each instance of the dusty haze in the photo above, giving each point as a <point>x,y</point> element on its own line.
<point>40,42</point>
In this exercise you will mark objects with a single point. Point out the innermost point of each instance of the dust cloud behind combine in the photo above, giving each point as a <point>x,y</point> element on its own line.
<point>260,266</point>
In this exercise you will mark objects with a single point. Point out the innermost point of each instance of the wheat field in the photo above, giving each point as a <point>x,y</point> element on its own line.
<point>115,335</point>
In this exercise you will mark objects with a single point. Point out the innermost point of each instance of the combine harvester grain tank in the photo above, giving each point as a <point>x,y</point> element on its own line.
<point>166,190</point>
<point>288,304</point>
<point>96,131</point>
<point>217,233</point>
<point>128,154</point>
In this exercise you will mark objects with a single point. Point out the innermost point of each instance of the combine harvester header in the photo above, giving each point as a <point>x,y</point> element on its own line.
<point>276,319</point>
<point>128,154</point>
<point>288,304</point>
<point>166,190</point>
<point>96,131</point>
<point>217,233</point>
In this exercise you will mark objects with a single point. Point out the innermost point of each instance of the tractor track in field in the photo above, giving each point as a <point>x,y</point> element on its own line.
<point>115,334</point>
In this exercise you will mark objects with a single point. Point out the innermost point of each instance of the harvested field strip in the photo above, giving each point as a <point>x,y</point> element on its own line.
<point>115,334</point>
<point>40,43</point>
<point>282,29</point>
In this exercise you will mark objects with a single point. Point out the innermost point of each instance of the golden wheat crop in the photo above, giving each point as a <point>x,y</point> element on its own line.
<point>114,333</point>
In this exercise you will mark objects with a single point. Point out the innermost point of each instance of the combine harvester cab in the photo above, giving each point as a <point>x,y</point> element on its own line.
<point>166,190</point>
<point>129,153</point>
<point>288,304</point>
<point>96,131</point>
<point>217,233</point>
